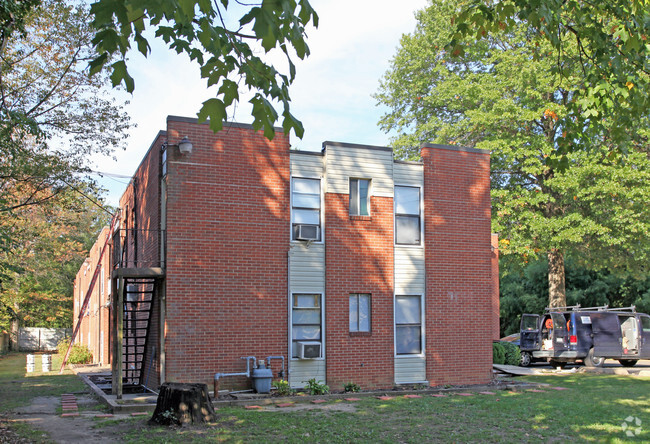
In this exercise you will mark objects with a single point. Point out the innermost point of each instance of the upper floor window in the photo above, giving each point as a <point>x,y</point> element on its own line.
<point>359,197</point>
<point>305,209</point>
<point>407,215</point>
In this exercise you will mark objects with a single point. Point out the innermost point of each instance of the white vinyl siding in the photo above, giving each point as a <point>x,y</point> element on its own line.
<point>344,162</point>
<point>303,370</point>
<point>410,276</point>
<point>307,268</point>
<point>410,370</point>
<point>306,165</point>
<point>410,174</point>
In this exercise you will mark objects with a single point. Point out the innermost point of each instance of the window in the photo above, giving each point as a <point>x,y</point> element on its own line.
<point>305,209</point>
<point>359,312</point>
<point>407,215</point>
<point>359,197</point>
<point>306,320</point>
<point>408,325</point>
<point>645,323</point>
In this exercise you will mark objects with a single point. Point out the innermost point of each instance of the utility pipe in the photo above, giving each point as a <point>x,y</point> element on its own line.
<point>218,376</point>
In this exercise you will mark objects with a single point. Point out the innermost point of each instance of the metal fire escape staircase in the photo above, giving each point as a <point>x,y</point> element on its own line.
<point>137,308</point>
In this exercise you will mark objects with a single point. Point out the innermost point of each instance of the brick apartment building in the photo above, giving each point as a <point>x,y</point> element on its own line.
<point>352,265</point>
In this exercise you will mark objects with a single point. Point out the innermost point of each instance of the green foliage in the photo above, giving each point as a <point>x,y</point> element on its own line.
<point>606,40</point>
<point>282,387</point>
<point>502,94</point>
<point>351,387</point>
<point>498,353</point>
<point>524,289</point>
<point>512,354</point>
<point>80,354</point>
<point>46,95</point>
<point>317,387</point>
<point>219,45</point>
<point>39,261</point>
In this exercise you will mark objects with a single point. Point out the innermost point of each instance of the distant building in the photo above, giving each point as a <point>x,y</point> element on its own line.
<point>354,266</point>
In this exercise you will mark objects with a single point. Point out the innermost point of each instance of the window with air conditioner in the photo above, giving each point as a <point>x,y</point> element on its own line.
<point>306,326</point>
<point>305,209</point>
<point>408,226</point>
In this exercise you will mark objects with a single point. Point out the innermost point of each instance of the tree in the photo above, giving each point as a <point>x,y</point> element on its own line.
<point>524,289</point>
<point>46,93</point>
<point>608,41</point>
<point>503,94</point>
<point>40,259</point>
<point>201,29</point>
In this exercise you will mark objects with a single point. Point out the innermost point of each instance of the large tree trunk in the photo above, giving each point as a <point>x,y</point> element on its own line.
<point>556,286</point>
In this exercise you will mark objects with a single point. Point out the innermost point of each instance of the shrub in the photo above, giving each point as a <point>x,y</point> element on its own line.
<point>282,387</point>
<point>317,387</point>
<point>351,387</point>
<point>498,353</point>
<point>80,354</point>
<point>512,353</point>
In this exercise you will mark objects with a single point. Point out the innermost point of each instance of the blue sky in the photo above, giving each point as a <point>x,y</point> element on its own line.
<point>332,93</point>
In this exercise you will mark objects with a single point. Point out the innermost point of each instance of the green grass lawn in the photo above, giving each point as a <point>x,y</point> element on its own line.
<point>17,387</point>
<point>592,409</point>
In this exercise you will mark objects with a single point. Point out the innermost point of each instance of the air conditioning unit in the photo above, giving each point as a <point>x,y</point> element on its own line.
<point>309,350</point>
<point>308,232</point>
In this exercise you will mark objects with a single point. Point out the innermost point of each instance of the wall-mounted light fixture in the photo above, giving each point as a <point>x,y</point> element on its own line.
<point>185,146</point>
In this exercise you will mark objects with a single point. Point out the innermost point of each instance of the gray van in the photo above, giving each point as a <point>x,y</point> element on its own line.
<point>591,335</point>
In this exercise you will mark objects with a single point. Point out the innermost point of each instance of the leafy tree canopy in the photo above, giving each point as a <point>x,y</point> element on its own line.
<point>524,289</point>
<point>46,93</point>
<point>503,94</point>
<point>601,48</point>
<point>41,254</point>
<point>200,29</point>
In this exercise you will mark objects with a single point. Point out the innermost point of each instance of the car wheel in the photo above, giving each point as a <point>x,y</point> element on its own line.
<point>627,362</point>
<point>526,359</point>
<point>593,361</point>
<point>557,364</point>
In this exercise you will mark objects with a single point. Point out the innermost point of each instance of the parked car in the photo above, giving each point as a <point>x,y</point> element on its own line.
<point>591,335</point>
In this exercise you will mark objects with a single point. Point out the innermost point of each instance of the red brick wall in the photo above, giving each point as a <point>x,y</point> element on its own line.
<point>359,259</point>
<point>459,306</point>
<point>228,239</point>
<point>97,314</point>
<point>140,217</point>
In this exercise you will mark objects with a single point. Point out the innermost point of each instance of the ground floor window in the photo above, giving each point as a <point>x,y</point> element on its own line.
<point>359,312</point>
<point>408,325</point>
<point>306,326</point>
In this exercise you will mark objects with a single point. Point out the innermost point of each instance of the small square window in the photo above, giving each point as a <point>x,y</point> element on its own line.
<point>359,197</point>
<point>359,312</point>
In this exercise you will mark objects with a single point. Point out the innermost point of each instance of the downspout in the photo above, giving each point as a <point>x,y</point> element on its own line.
<point>163,263</point>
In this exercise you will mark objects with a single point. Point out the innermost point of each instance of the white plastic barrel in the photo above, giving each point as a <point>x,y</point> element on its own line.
<point>46,361</point>
<point>30,363</point>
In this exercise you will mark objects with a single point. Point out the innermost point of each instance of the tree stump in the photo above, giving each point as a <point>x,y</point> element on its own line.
<point>180,403</point>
